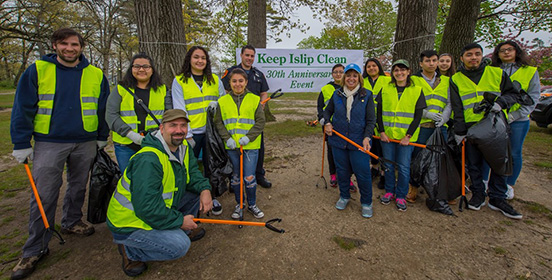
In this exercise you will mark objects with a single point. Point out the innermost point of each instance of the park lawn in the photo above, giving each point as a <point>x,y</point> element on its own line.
<point>6,100</point>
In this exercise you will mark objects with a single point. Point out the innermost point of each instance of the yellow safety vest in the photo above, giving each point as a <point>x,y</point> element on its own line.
<point>198,100</point>
<point>523,75</point>
<point>398,114</point>
<point>436,98</point>
<point>238,123</point>
<point>380,83</point>
<point>90,89</point>
<point>121,212</point>
<point>327,92</point>
<point>472,94</point>
<point>128,114</point>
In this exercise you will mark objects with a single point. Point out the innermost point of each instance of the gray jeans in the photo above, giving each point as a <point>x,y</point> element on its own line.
<point>49,161</point>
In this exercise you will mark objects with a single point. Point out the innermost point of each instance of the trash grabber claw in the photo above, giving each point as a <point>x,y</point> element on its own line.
<point>380,159</point>
<point>411,144</point>
<point>463,199</point>
<point>274,95</point>
<point>41,209</point>
<point>322,179</point>
<point>241,185</point>
<point>268,224</point>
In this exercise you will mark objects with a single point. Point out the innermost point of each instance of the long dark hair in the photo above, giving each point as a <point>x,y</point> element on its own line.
<point>452,69</point>
<point>130,82</point>
<point>380,72</point>
<point>187,66</point>
<point>408,80</point>
<point>521,56</point>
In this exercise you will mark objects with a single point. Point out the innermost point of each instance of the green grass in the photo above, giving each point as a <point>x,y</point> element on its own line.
<point>13,180</point>
<point>538,208</point>
<point>500,250</point>
<point>5,139</point>
<point>290,128</point>
<point>545,164</point>
<point>343,243</point>
<point>508,223</point>
<point>299,96</point>
<point>6,100</point>
<point>290,112</point>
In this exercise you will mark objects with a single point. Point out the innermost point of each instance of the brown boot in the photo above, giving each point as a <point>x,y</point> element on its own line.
<point>26,266</point>
<point>131,268</point>
<point>412,194</point>
<point>79,228</point>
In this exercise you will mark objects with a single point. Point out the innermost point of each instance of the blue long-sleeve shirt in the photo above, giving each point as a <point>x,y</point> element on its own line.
<point>66,124</point>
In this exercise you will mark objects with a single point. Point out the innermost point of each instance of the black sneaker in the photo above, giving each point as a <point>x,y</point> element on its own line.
<point>217,208</point>
<point>381,183</point>
<point>477,201</point>
<point>501,205</point>
<point>196,234</point>
<point>263,182</point>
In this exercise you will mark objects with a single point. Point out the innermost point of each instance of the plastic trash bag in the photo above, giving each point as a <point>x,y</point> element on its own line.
<point>103,181</point>
<point>491,137</point>
<point>216,163</point>
<point>434,168</point>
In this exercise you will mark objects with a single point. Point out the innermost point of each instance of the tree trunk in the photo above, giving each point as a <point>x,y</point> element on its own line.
<point>161,34</point>
<point>416,22</point>
<point>256,21</point>
<point>460,26</point>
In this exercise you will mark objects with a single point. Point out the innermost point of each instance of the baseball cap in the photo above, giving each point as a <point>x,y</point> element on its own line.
<point>352,66</point>
<point>401,61</point>
<point>173,114</point>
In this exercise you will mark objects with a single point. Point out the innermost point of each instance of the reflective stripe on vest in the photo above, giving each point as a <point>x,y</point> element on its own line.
<point>238,123</point>
<point>90,89</point>
<point>197,100</point>
<point>121,211</point>
<point>436,98</point>
<point>523,75</point>
<point>128,113</point>
<point>472,94</point>
<point>380,83</point>
<point>398,114</point>
<point>327,91</point>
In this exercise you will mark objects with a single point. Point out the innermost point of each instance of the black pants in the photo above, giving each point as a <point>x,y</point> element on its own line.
<point>260,172</point>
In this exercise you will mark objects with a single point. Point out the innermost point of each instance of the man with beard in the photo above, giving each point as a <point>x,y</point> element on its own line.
<point>151,211</point>
<point>473,83</point>
<point>60,101</point>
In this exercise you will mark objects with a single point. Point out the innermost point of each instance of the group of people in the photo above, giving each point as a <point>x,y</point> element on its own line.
<point>64,103</point>
<point>385,114</point>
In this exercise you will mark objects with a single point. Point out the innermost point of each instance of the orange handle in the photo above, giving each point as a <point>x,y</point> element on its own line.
<point>229,222</point>
<point>38,201</point>
<point>410,143</point>
<point>266,100</point>
<point>463,168</point>
<point>354,144</point>
<point>241,177</point>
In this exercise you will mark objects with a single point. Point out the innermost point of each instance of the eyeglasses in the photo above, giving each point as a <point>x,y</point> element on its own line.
<point>507,50</point>
<point>138,66</point>
<point>338,72</point>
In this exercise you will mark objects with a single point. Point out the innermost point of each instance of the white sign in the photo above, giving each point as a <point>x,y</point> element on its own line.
<point>301,70</point>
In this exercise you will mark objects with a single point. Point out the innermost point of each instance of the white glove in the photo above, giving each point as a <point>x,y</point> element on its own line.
<point>23,154</point>
<point>441,122</point>
<point>321,121</point>
<point>459,138</point>
<point>135,137</point>
<point>496,108</point>
<point>213,105</point>
<point>230,143</point>
<point>191,142</point>
<point>101,144</point>
<point>244,140</point>
<point>434,116</point>
<point>511,118</point>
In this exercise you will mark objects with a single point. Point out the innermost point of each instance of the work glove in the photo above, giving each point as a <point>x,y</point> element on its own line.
<point>213,105</point>
<point>101,144</point>
<point>441,122</point>
<point>459,138</point>
<point>511,118</point>
<point>244,140</point>
<point>135,137</point>
<point>191,142</point>
<point>496,108</point>
<point>23,154</point>
<point>433,116</point>
<point>230,143</point>
<point>321,121</point>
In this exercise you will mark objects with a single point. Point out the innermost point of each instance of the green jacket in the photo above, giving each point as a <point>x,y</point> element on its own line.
<point>146,173</point>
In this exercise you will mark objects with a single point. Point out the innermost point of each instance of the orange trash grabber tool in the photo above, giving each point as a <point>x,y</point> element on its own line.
<point>411,144</point>
<point>268,224</point>
<point>241,186</point>
<point>380,159</point>
<point>322,179</point>
<point>41,209</point>
<point>463,199</point>
<point>274,95</point>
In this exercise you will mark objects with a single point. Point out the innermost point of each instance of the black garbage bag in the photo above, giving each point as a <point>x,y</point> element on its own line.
<point>216,163</point>
<point>491,137</point>
<point>103,181</point>
<point>434,168</point>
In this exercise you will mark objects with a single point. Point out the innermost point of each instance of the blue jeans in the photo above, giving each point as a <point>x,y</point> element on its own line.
<point>348,161</point>
<point>249,165</point>
<point>402,156</point>
<point>160,245</point>
<point>518,131</point>
<point>476,169</point>
<point>123,154</point>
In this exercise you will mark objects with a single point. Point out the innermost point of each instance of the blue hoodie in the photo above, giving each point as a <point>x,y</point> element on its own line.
<point>66,124</point>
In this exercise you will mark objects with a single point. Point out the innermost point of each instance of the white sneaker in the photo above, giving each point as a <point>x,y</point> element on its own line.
<point>237,212</point>
<point>257,213</point>
<point>510,193</point>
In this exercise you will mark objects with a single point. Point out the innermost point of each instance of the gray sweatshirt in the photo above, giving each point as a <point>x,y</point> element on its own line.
<point>533,90</point>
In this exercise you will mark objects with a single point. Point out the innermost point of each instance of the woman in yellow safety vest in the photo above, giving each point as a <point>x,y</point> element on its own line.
<point>240,120</point>
<point>400,107</point>
<point>446,65</point>
<point>125,117</point>
<point>374,80</point>
<point>512,59</point>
